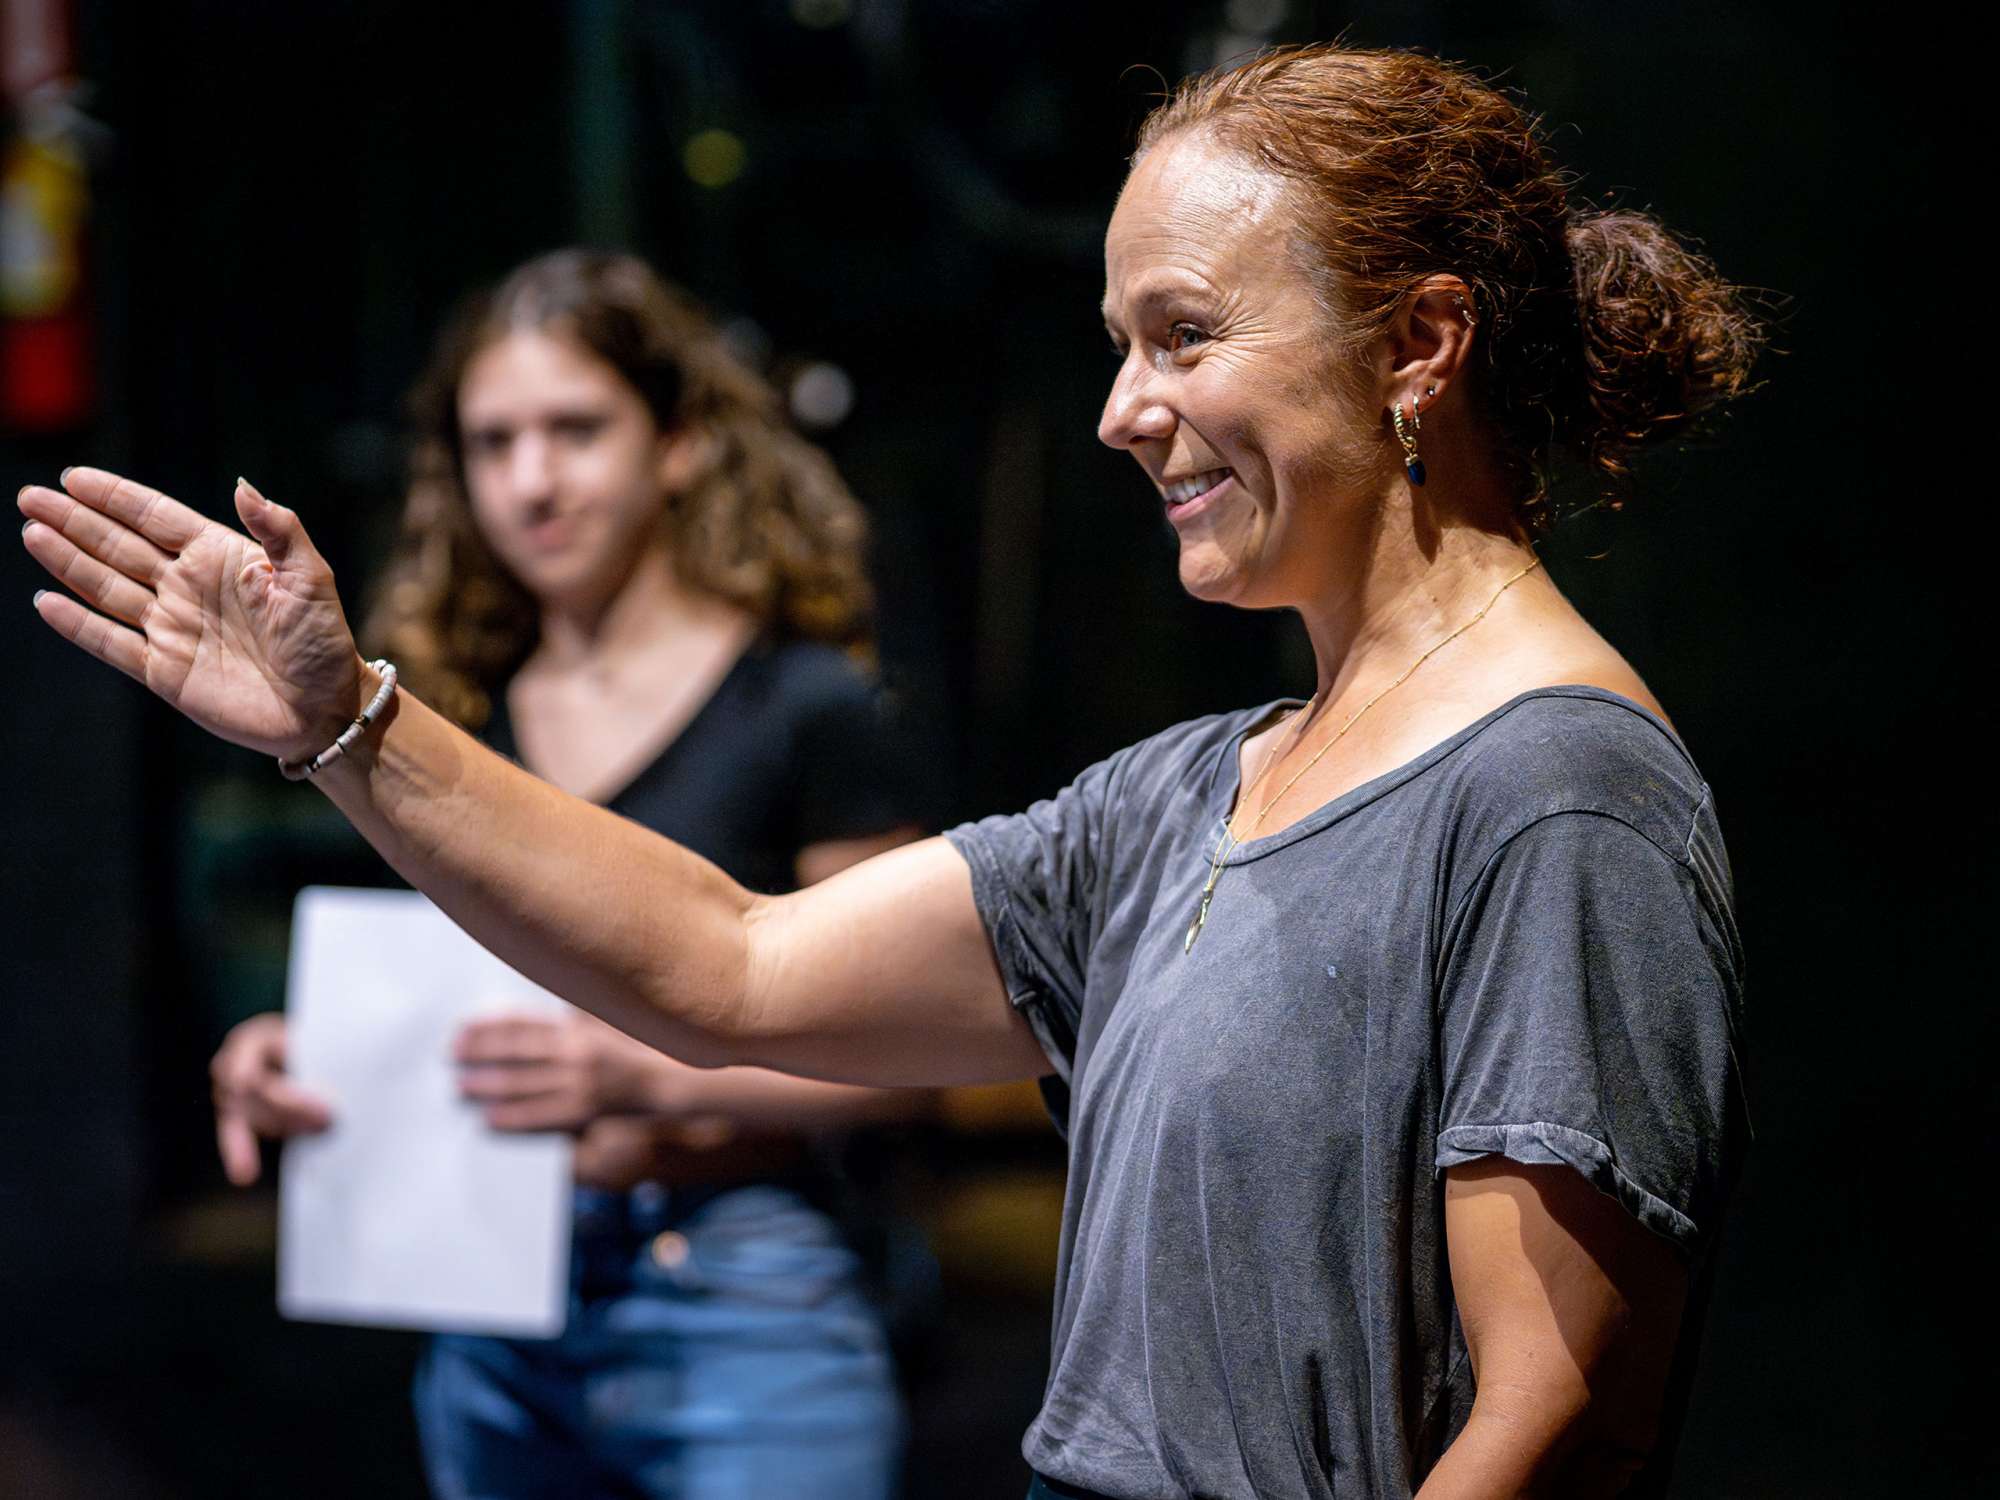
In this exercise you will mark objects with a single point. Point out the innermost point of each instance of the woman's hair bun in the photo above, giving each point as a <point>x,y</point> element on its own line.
<point>1601,331</point>
<point>1665,337</point>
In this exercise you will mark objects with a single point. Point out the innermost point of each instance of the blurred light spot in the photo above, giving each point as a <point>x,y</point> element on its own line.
<point>1233,47</point>
<point>714,158</point>
<point>1254,15</point>
<point>670,1250</point>
<point>822,395</point>
<point>819,15</point>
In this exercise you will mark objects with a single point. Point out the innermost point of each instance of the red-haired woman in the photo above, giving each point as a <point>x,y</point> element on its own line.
<point>1396,1027</point>
<point>623,569</point>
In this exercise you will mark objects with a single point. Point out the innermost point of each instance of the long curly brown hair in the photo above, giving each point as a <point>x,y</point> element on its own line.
<point>766,524</point>
<point>1602,331</point>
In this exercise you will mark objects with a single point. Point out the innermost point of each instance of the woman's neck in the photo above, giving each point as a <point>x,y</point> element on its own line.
<point>650,603</point>
<point>1419,583</point>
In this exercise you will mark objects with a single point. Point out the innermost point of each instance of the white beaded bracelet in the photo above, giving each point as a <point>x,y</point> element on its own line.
<point>299,770</point>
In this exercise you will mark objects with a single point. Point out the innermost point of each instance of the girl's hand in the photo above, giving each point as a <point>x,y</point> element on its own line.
<point>244,635</point>
<point>254,1097</point>
<point>560,1073</point>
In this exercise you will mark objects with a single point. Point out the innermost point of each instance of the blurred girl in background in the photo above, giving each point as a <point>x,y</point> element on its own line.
<point>621,567</point>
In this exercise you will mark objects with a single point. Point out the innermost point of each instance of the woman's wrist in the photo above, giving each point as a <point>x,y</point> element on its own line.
<point>368,686</point>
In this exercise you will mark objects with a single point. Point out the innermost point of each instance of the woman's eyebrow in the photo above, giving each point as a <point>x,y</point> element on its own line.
<point>1159,287</point>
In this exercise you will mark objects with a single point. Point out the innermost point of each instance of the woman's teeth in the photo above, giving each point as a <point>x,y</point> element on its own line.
<point>1183,490</point>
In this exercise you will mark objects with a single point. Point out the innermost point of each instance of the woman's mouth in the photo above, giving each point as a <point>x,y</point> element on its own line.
<point>547,533</point>
<point>1186,497</point>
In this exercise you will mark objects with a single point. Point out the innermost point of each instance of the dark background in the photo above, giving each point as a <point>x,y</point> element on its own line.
<point>285,199</point>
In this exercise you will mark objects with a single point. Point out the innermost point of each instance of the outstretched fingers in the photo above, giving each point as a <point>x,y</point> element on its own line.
<point>111,542</point>
<point>160,519</point>
<point>122,648</point>
<point>74,568</point>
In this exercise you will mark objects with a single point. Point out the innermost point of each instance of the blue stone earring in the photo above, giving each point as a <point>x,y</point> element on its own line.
<point>1413,465</point>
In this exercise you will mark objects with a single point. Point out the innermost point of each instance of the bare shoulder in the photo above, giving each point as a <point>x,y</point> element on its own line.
<point>1552,645</point>
<point>1603,668</point>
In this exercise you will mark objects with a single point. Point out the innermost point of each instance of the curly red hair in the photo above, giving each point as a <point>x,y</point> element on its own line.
<point>1601,330</point>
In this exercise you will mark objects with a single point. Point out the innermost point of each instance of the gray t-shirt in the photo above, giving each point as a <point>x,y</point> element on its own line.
<point>1519,943</point>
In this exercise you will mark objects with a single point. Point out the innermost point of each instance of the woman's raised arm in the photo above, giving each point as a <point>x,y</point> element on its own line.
<point>882,974</point>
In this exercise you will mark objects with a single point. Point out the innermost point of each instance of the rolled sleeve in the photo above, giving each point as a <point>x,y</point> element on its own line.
<point>1587,1018</point>
<point>1036,880</point>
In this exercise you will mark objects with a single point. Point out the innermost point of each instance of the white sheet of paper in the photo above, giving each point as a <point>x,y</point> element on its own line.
<point>410,1212</point>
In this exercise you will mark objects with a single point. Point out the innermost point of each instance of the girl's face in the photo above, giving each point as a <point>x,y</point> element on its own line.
<point>564,465</point>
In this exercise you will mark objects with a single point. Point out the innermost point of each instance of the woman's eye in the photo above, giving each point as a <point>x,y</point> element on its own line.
<point>1184,336</point>
<point>485,443</point>
<point>580,429</point>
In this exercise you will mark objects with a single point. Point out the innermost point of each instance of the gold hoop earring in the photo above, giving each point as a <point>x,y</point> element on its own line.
<point>1413,464</point>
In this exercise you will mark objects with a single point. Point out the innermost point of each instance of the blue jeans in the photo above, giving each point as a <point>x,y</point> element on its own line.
<point>720,1346</point>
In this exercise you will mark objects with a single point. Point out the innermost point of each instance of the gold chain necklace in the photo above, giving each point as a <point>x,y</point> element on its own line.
<point>1228,843</point>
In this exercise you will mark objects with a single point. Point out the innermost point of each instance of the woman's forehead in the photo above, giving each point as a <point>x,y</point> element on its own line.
<point>538,363</point>
<point>1192,208</point>
<point>1206,173</point>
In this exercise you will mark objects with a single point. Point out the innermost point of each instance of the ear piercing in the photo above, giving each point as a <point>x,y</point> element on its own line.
<point>1406,434</point>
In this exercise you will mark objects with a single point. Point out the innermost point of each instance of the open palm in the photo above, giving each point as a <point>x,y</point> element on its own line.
<point>243,634</point>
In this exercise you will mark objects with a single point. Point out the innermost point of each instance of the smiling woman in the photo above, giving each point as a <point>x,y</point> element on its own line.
<point>1393,1032</point>
<point>1225,364</point>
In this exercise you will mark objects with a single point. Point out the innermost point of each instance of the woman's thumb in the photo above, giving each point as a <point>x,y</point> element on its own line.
<point>276,529</point>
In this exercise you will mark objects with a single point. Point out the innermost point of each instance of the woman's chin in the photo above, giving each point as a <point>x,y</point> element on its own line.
<point>571,581</point>
<point>1209,577</point>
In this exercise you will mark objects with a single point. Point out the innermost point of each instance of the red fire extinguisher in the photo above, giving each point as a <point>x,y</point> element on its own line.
<point>47,379</point>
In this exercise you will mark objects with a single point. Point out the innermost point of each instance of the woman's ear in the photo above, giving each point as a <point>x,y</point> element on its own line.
<point>683,456</point>
<point>1428,342</point>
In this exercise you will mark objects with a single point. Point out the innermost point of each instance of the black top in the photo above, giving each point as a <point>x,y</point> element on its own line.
<point>791,749</point>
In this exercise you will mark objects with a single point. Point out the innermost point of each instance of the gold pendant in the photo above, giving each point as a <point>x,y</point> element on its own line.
<point>1222,849</point>
<point>1200,920</point>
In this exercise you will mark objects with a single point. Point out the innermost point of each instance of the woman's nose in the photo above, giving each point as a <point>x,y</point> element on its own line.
<point>1133,411</point>
<point>530,467</point>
